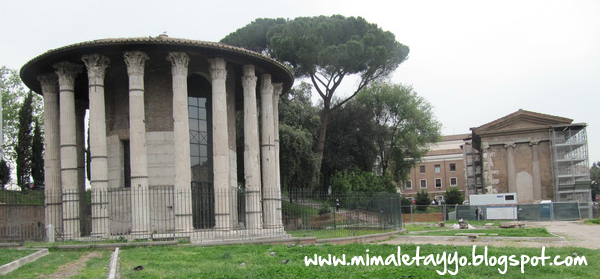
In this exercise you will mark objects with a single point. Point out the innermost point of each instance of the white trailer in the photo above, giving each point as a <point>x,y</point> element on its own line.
<point>497,206</point>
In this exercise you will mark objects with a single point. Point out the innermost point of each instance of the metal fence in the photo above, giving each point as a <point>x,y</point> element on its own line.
<point>198,213</point>
<point>562,211</point>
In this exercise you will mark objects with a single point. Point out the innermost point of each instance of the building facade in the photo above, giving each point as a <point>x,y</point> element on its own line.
<point>162,136</point>
<point>443,167</point>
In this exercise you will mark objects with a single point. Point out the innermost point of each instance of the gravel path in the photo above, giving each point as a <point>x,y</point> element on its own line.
<point>575,233</point>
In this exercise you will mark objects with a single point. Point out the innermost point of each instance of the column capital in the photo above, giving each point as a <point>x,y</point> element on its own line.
<point>266,87</point>
<point>217,68</point>
<point>49,82</point>
<point>96,65</point>
<point>179,63</point>
<point>510,144</point>
<point>249,81</point>
<point>277,90</point>
<point>135,61</point>
<point>67,72</point>
<point>534,142</point>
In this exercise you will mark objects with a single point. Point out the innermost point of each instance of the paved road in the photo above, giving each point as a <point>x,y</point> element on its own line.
<point>574,233</point>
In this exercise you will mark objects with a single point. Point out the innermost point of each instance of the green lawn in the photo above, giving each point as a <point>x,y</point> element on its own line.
<point>255,261</point>
<point>522,232</point>
<point>323,234</point>
<point>62,261</point>
<point>592,221</point>
<point>9,255</point>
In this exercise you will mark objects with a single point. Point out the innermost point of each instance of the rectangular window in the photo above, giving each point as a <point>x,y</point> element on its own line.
<point>452,167</point>
<point>422,169</point>
<point>408,184</point>
<point>509,198</point>
<point>423,183</point>
<point>437,168</point>
<point>438,183</point>
<point>453,181</point>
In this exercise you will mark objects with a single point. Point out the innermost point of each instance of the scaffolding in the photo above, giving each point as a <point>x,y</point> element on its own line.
<point>570,165</point>
<point>473,169</point>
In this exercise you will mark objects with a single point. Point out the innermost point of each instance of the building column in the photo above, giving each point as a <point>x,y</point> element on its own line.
<point>277,89</point>
<point>96,65</point>
<point>140,209</point>
<point>52,181</point>
<point>181,139</point>
<point>68,147</point>
<point>271,195</point>
<point>231,133</point>
<point>251,151</point>
<point>510,160</point>
<point>537,176</point>
<point>218,75</point>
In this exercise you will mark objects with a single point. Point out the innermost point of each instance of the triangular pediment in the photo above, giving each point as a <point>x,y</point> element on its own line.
<point>522,120</point>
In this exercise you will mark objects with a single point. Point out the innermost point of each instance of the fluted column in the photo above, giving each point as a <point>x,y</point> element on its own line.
<point>96,65</point>
<point>181,137</point>
<point>80,108</point>
<point>251,151</point>
<point>68,147</point>
<point>510,160</point>
<point>140,210</point>
<point>271,195</point>
<point>277,89</point>
<point>52,180</point>
<point>536,172</point>
<point>231,133</point>
<point>218,75</point>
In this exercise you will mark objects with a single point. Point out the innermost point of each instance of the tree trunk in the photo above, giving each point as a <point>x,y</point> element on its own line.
<point>321,146</point>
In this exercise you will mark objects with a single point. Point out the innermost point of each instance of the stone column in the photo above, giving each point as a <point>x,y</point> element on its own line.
<point>277,89</point>
<point>52,170</point>
<point>231,133</point>
<point>510,160</point>
<point>68,147</point>
<point>537,176</point>
<point>218,74</point>
<point>140,208</point>
<point>96,67</point>
<point>80,108</point>
<point>181,139</point>
<point>251,151</point>
<point>271,195</point>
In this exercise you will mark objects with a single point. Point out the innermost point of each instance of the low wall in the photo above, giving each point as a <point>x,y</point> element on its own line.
<point>19,222</point>
<point>422,217</point>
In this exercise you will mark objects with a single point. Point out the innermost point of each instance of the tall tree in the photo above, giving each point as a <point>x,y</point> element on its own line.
<point>24,142</point>
<point>404,126</point>
<point>326,50</point>
<point>4,173</point>
<point>37,155</point>
<point>595,178</point>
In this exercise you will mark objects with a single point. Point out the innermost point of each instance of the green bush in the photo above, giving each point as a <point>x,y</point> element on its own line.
<point>423,200</point>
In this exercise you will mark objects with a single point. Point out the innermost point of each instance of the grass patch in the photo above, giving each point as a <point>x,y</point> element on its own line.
<point>592,221</point>
<point>9,255</point>
<point>523,232</point>
<point>255,261</point>
<point>323,234</point>
<point>60,260</point>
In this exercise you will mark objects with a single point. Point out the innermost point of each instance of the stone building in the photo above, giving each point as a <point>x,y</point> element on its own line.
<point>162,137</point>
<point>538,156</point>
<point>443,167</point>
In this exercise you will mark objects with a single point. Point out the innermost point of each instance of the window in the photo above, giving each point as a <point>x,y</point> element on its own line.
<point>199,116</point>
<point>423,183</point>
<point>437,168</point>
<point>438,183</point>
<point>452,167</point>
<point>408,184</point>
<point>453,181</point>
<point>509,198</point>
<point>422,169</point>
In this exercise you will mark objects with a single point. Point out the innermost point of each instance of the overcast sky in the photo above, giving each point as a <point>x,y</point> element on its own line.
<point>475,61</point>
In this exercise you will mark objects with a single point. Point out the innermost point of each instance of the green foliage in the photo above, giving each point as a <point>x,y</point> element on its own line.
<point>37,155</point>
<point>324,210</point>
<point>422,200</point>
<point>595,177</point>
<point>296,158</point>
<point>404,126</point>
<point>13,94</point>
<point>24,142</point>
<point>4,173</point>
<point>356,180</point>
<point>453,196</point>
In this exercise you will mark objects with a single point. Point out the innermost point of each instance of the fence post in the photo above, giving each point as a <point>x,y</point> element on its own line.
<point>412,217</point>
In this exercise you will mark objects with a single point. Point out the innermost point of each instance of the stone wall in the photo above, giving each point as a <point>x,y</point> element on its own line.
<point>19,222</point>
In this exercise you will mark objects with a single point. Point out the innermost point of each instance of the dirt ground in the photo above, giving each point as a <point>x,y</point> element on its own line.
<point>71,269</point>
<point>574,233</point>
